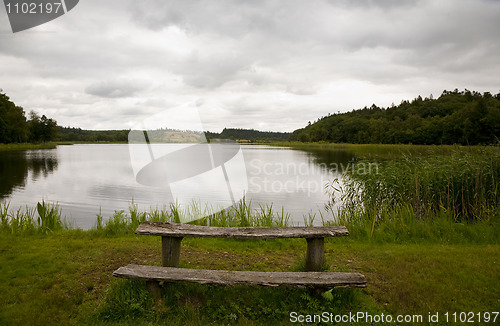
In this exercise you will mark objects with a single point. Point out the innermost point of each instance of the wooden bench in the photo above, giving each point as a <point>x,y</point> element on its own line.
<point>173,233</point>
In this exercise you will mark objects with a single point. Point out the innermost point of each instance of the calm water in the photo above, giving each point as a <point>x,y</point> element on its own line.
<point>85,180</point>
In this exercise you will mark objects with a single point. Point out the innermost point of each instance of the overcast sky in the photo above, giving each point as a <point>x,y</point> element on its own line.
<point>268,65</point>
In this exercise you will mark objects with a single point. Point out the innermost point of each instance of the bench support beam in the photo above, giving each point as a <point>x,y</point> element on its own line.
<point>155,290</point>
<point>315,254</point>
<point>170,251</point>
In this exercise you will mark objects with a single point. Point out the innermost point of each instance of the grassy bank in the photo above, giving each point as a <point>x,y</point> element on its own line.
<point>27,146</point>
<point>51,274</point>
<point>380,152</point>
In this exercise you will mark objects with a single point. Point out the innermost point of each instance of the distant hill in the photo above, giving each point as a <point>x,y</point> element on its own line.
<point>169,135</point>
<point>249,135</point>
<point>466,117</point>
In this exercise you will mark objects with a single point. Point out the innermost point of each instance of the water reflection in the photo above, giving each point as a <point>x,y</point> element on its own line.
<point>331,158</point>
<point>19,166</point>
<point>85,180</point>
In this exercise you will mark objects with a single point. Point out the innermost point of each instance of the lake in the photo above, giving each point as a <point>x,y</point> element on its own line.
<point>90,179</point>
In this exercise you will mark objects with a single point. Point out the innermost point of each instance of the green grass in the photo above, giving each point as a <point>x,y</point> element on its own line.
<point>65,278</point>
<point>26,146</point>
<point>378,152</point>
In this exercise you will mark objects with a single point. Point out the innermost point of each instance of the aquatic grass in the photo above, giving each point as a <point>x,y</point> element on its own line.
<point>309,219</point>
<point>382,152</point>
<point>49,217</point>
<point>243,212</point>
<point>265,214</point>
<point>389,224</point>
<point>4,215</point>
<point>282,219</point>
<point>157,215</point>
<point>461,182</point>
<point>23,222</point>
<point>119,223</point>
<point>136,217</point>
<point>29,146</point>
<point>99,225</point>
<point>400,224</point>
<point>194,212</point>
<point>175,212</point>
<point>43,219</point>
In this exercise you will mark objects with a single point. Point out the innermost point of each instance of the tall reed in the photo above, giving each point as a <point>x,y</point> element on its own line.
<point>44,218</point>
<point>462,182</point>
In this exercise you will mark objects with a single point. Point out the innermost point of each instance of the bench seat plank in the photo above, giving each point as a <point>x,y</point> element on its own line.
<point>221,277</point>
<point>166,229</point>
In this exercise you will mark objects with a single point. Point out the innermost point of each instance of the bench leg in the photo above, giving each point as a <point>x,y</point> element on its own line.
<point>155,290</point>
<point>315,254</point>
<point>170,251</point>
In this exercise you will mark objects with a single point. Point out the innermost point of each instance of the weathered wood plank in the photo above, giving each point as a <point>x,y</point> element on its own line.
<point>220,277</point>
<point>166,229</point>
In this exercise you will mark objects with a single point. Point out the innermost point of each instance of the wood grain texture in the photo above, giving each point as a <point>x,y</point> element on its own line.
<point>170,251</point>
<point>220,277</point>
<point>166,229</point>
<point>315,256</point>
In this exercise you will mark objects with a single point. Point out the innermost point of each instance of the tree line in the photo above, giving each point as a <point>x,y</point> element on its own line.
<point>16,128</point>
<point>81,135</point>
<point>456,117</point>
<point>250,135</point>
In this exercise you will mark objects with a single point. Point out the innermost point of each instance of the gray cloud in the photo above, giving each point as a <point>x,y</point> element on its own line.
<point>274,64</point>
<point>210,70</point>
<point>115,88</point>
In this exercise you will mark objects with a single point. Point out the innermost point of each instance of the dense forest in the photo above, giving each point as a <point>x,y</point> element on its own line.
<point>16,128</point>
<point>249,135</point>
<point>81,135</point>
<point>468,118</point>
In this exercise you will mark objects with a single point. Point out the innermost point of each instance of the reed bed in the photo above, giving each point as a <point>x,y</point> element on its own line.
<point>47,218</point>
<point>240,214</point>
<point>461,184</point>
<point>44,218</point>
<point>27,146</point>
